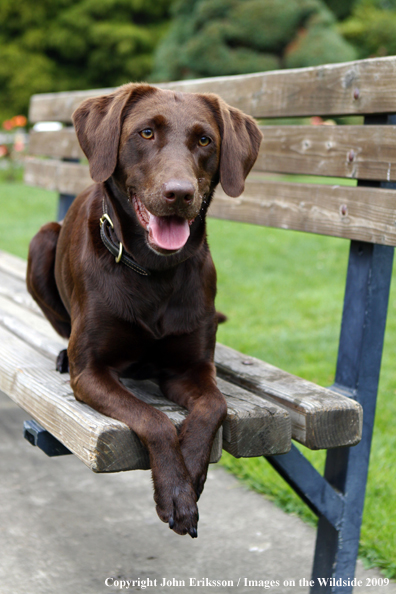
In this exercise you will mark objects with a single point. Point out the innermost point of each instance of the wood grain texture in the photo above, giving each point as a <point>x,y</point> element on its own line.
<point>361,213</point>
<point>364,152</point>
<point>31,328</point>
<point>321,419</point>
<point>359,87</point>
<point>61,144</point>
<point>102,443</point>
<point>14,289</point>
<point>251,429</point>
<point>365,214</point>
<point>51,174</point>
<point>13,265</point>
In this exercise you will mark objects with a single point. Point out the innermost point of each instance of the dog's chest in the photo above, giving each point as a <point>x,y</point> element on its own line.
<point>181,313</point>
<point>165,310</point>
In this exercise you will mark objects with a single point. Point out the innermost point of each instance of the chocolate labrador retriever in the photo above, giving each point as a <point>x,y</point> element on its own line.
<point>129,278</point>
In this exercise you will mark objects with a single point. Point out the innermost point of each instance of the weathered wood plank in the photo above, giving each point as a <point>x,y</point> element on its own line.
<point>61,144</point>
<point>58,176</point>
<point>321,419</point>
<point>251,429</point>
<point>29,378</point>
<point>360,87</point>
<point>103,444</point>
<point>364,152</point>
<point>364,214</point>
<point>14,289</point>
<point>59,106</point>
<point>33,329</point>
<point>13,265</point>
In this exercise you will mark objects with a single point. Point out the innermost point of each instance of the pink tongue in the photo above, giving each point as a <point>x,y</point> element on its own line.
<point>169,233</point>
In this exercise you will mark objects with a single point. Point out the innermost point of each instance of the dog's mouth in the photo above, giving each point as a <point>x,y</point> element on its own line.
<point>165,234</point>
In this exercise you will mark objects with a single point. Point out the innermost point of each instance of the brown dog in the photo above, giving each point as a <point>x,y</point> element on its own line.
<point>156,157</point>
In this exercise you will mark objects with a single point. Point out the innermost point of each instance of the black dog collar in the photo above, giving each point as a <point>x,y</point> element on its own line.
<point>117,251</point>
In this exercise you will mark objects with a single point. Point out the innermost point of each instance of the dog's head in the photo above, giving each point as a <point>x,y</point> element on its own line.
<point>167,151</point>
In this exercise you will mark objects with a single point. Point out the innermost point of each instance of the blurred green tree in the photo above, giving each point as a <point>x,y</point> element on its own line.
<point>220,37</point>
<point>57,45</point>
<point>371,28</point>
<point>341,8</point>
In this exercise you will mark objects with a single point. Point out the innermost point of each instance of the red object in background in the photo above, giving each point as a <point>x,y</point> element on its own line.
<point>316,121</point>
<point>18,121</point>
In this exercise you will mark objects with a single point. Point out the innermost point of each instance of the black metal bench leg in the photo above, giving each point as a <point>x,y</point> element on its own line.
<point>358,368</point>
<point>65,201</point>
<point>337,550</point>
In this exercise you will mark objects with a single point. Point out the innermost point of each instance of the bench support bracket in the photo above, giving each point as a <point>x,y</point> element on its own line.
<point>36,435</point>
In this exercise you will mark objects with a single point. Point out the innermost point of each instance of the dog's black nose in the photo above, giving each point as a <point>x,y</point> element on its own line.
<point>178,190</point>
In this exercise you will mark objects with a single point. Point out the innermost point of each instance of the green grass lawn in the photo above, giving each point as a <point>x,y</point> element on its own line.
<point>283,294</point>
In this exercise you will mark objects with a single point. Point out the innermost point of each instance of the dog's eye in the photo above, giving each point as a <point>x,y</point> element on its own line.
<point>204,141</point>
<point>147,133</point>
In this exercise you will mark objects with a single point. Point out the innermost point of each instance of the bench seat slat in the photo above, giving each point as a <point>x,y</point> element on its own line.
<point>12,265</point>
<point>103,444</point>
<point>15,290</point>
<point>363,152</point>
<point>321,419</point>
<point>359,87</point>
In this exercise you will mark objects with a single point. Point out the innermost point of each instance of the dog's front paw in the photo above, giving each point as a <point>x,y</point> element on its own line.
<point>177,506</point>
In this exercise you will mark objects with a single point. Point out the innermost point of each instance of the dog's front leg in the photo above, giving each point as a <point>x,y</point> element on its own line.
<point>174,495</point>
<point>196,390</point>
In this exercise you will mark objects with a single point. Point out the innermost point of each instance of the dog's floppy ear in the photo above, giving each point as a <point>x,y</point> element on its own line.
<point>241,139</point>
<point>98,123</point>
<point>240,143</point>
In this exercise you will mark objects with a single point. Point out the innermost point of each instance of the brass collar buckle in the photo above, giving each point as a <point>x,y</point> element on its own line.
<point>118,252</point>
<point>103,218</point>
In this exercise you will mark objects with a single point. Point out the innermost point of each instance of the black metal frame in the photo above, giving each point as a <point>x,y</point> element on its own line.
<point>36,435</point>
<point>338,497</point>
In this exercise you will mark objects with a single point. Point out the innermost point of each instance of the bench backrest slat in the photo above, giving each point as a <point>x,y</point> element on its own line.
<point>364,152</point>
<point>361,87</point>
<point>341,151</point>
<point>366,214</point>
<point>357,152</point>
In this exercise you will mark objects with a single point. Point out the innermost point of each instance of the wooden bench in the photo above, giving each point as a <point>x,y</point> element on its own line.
<point>267,407</point>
